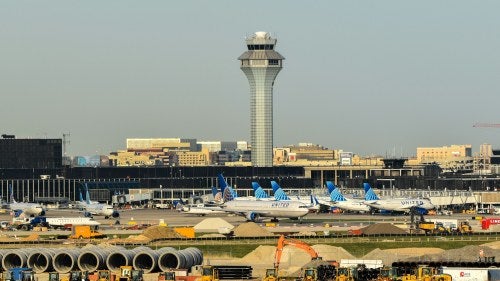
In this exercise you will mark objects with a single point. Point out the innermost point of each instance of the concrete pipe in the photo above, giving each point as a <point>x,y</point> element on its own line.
<point>94,258</point>
<point>41,259</point>
<point>15,258</point>
<point>66,260</point>
<point>2,253</point>
<point>197,255</point>
<point>147,260</point>
<point>122,257</point>
<point>171,258</point>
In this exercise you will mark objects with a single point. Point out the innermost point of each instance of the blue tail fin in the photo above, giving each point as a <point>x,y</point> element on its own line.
<point>87,194</point>
<point>336,196</point>
<point>12,200</point>
<point>81,196</point>
<point>259,191</point>
<point>228,193</point>
<point>279,194</point>
<point>214,191</point>
<point>369,193</point>
<point>330,186</point>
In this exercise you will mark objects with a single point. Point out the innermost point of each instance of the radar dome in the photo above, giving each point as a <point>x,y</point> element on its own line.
<point>261,34</point>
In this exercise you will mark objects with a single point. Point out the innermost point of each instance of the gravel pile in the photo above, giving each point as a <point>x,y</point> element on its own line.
<point>212,225</point>
<point>158,232</point>
<point>251,229</point>
<point>382,228</point>
<point>466,254</point>
<point>389,256</point>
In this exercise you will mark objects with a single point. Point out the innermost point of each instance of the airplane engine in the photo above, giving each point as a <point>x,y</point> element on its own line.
<point>87,214</point>
<point>42,213</point>
<point>253,217</point>
<point>115,214</point>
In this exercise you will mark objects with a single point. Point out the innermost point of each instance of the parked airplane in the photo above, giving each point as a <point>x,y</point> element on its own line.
<point>97,209</point>
<point>24,209</point>
<point>228,192</point>
<point>254,210</point>
<point>199,209</point>
<point>338,200</point>
<point>280,195</point>
<point>395,204</point>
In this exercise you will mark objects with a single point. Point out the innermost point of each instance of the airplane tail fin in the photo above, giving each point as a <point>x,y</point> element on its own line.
<point>81,196</point>
<point>12,200</point>
<point>330,186</point>
<point>87,194</point>
<point>369,193</point>
<point>336,196</point>
<point>259,191</point>
<point>279,193</point>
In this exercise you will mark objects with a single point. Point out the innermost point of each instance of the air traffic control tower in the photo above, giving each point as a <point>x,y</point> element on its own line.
<point>261,64</point>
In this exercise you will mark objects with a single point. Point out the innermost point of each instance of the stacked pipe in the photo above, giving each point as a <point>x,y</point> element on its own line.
<point>66,260</point>
<point>41,260</point>
<point>15,258</point>
<point>147,260</point>
<point>186,258</point>
<point>122,257</point>
<point>92,258</point>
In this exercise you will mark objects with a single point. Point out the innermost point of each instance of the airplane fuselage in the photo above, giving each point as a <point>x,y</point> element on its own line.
<point>272,209</point>
<point>402,205</point>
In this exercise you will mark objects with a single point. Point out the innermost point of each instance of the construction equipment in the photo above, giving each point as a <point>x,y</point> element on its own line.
<point>310,274</point>
<point>344,274</point>
<point>426,273</point>
<point>127,273</point>
<point>209,273</point>
<point>166,276</point>
<point>85,232</point>
<point>388,273</point>
<point>433,228</point>
<point>464,227</point>
<point>19,274</point>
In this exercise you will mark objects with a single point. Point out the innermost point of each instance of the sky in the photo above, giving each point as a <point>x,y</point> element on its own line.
<point>370,77</point>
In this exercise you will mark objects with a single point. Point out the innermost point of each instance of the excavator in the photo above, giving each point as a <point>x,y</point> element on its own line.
<point>310,274</point>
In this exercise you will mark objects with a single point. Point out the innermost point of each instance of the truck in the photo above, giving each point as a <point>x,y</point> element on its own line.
<point>85,232</point>
<point>470,274</point>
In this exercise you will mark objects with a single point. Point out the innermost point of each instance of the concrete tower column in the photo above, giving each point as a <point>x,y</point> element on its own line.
<point>261,64</point>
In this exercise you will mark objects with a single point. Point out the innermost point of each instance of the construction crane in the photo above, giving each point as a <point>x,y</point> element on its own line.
<point>486,125</point>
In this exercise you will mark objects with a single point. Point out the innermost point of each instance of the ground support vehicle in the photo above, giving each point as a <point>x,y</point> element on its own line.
<point>426,273</point>
<point>85,232</point>
<point>18,274</point>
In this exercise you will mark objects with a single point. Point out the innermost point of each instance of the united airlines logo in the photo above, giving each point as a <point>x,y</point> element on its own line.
<point>412,202</point>
<point>280,205</point>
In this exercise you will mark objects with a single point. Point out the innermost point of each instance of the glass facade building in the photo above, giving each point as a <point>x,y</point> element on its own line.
<point>261,64</point>
<point>30,153</point>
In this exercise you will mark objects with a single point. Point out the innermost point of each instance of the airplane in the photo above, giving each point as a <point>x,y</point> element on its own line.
<point>280,195</point>
<point>24,209</point>
<point>97,209</point>
<point>199,209</point>
<point>338,200</point>
<point>396,204</point>
<point>254,209</point>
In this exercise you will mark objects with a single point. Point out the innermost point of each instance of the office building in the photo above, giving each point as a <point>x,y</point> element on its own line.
<point>30,153</point>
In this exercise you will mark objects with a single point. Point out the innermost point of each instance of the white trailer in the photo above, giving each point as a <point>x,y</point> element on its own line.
<point>466,274</point>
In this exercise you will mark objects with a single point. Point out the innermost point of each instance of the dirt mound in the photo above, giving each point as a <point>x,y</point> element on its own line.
<point>389,256</point>
<point>158,232</point>
<point>251,229</point>
<point>493,245</point>
<point>332,253</point>
<point>31,237</point>
<point>212,225</point>
<point>382,228</point>
<point>468,254</point>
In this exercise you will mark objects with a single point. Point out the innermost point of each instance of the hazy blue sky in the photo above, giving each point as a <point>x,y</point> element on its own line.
<point>364,76</point>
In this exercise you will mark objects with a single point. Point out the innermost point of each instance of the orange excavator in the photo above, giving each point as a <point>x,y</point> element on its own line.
<point>310,274</point>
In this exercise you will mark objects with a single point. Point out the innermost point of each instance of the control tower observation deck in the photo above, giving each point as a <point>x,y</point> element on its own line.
<point>261,64</point>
